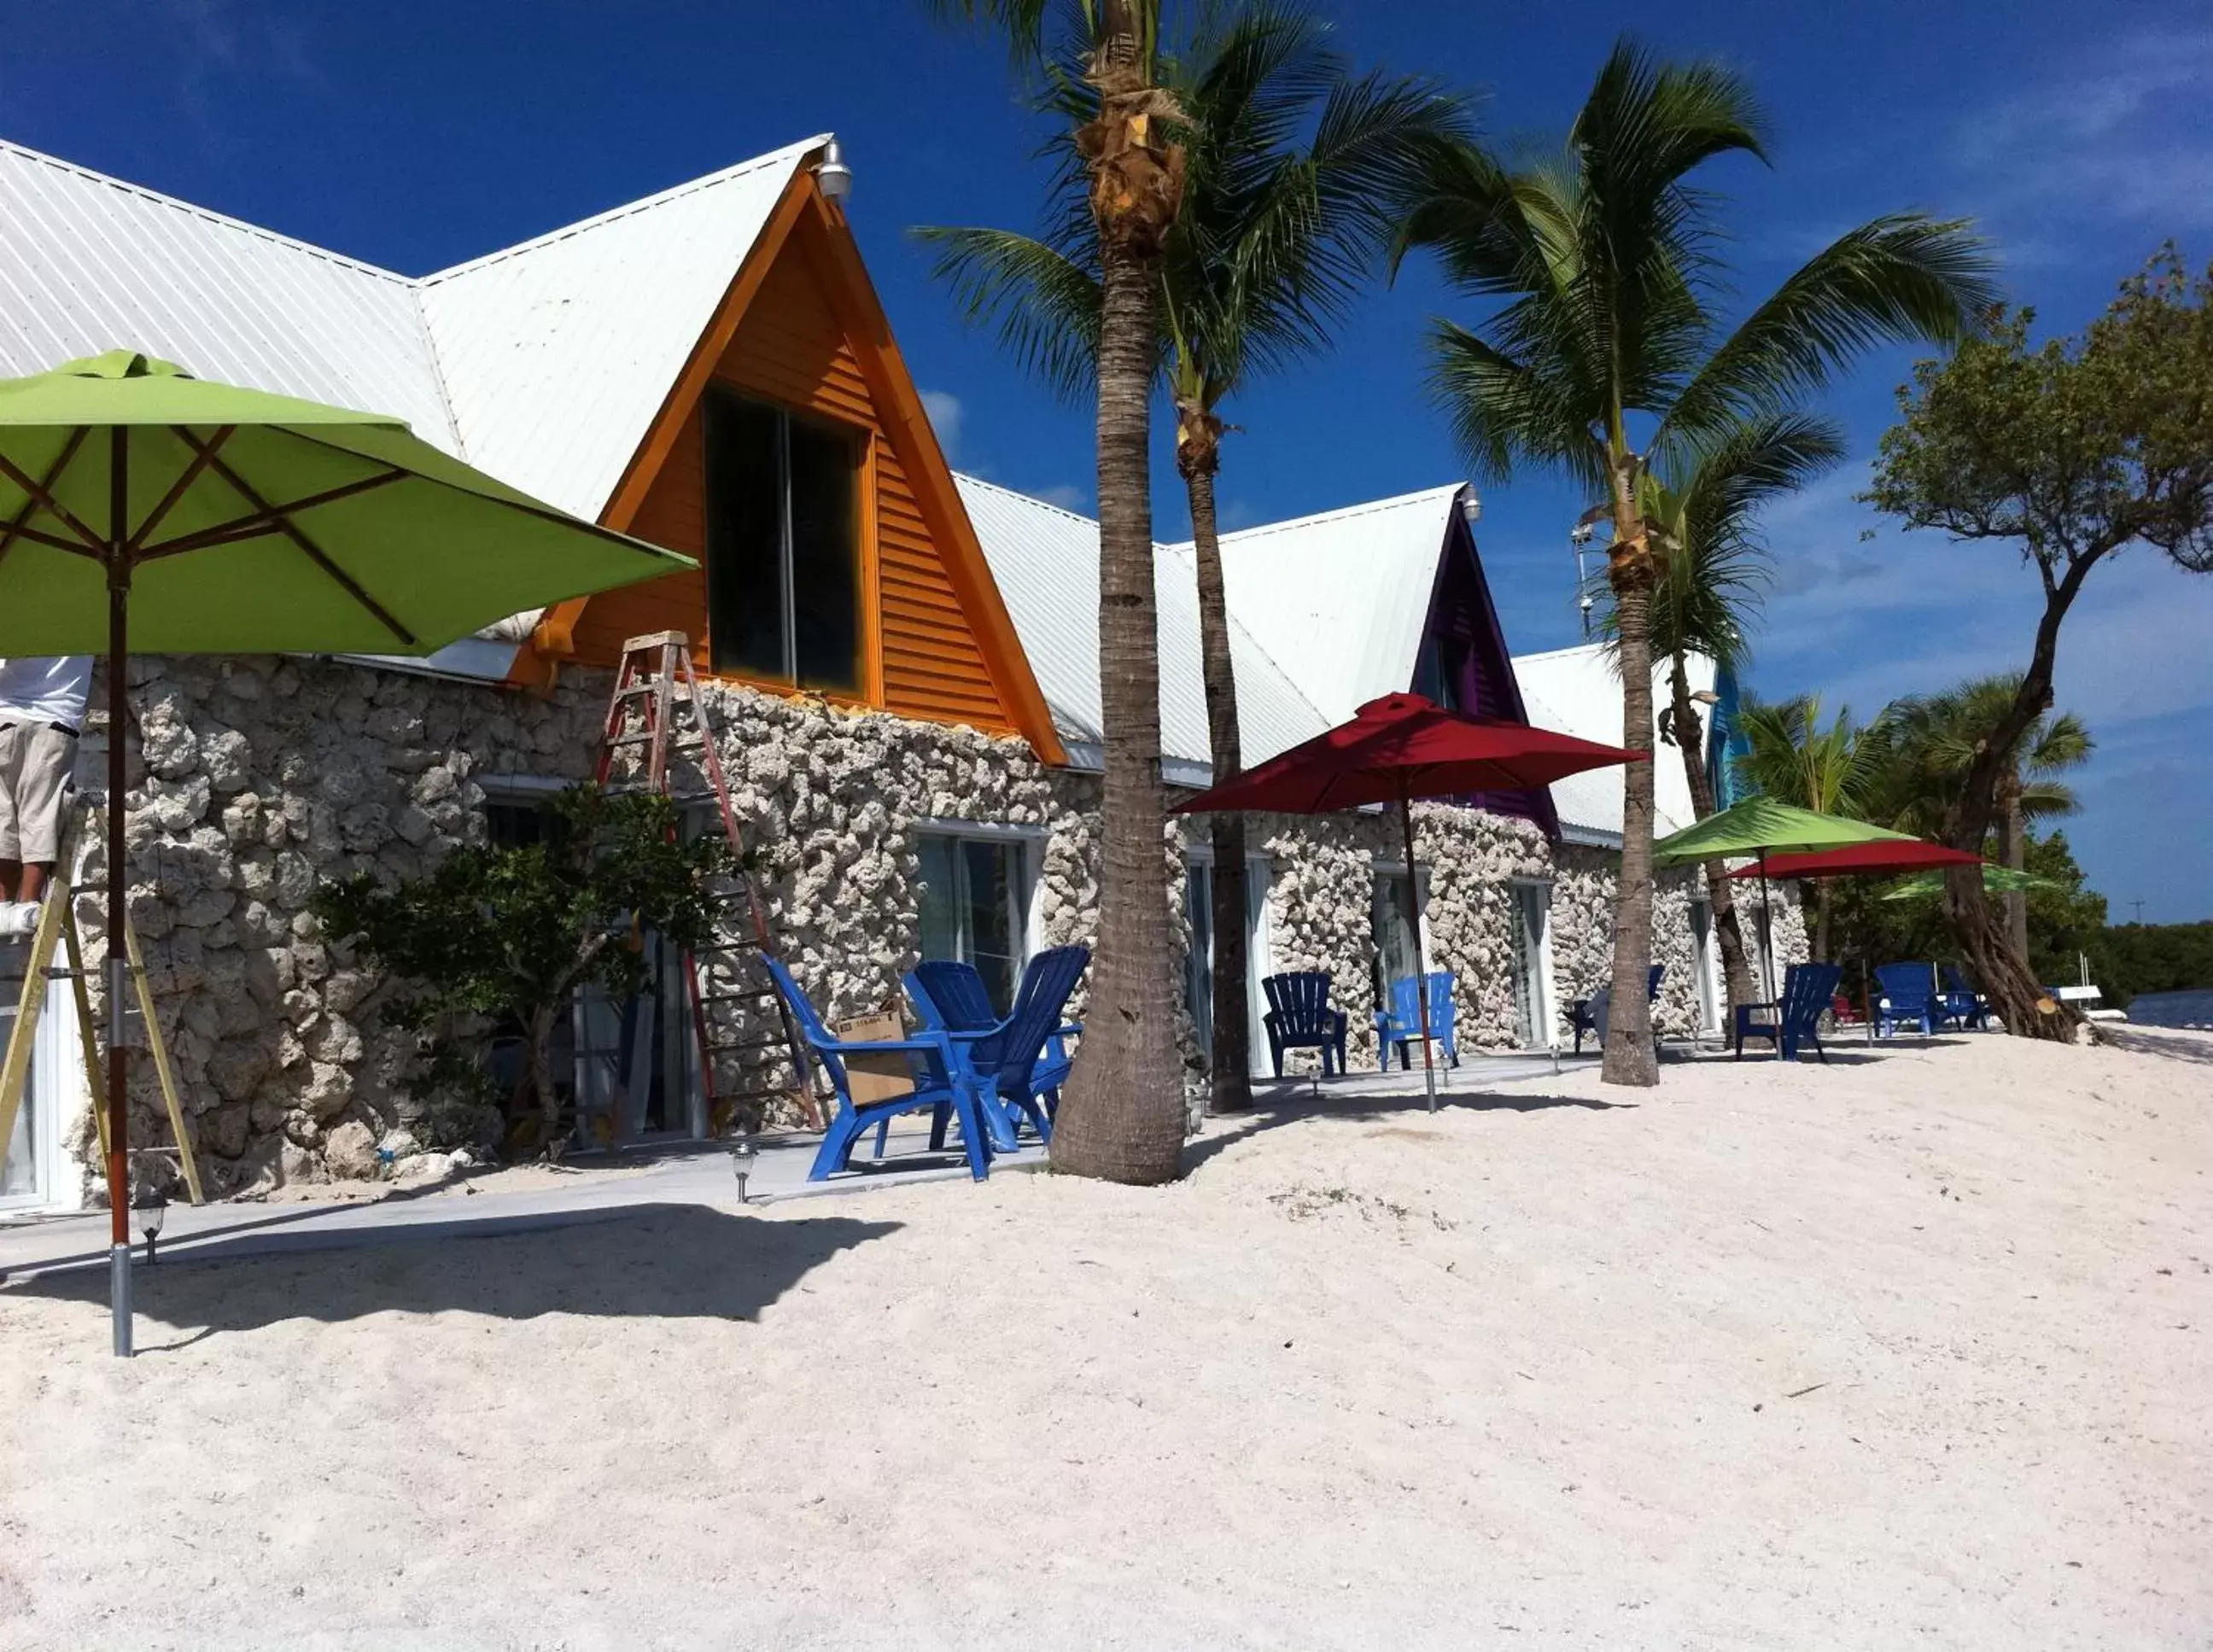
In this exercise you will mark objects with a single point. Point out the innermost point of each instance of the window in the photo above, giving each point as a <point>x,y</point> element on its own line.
<point>1198,961</point>
<point>784,576</point>
<point>1398,940</point>
<point>1438,669</point>
<point>1530,910</point>
<point>975,906</point>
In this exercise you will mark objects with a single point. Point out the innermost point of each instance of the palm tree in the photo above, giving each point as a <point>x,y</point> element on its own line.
<point>1714,571</point>
<point>1598,264</point>
<point>1122,1114</point>
<point>1839,769</point>
<point>1938,739</point>
<point>1289,164</point>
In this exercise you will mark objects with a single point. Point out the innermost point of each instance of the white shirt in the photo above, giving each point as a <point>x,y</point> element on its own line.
<point>46,691</point>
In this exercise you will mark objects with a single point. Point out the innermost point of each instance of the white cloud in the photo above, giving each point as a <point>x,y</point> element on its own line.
<point>944,410</point>
<point>2120,138</point>
<point>1068,496</point>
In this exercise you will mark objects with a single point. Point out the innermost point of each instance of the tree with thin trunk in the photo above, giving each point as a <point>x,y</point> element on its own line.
<point>1122,1114</point>
<point>1839,768</point>
<point>1289,162</point>
<point>1937,737</point>
<point>1603,350</point>
<point>2072,452</point>
<point>1714,571</point>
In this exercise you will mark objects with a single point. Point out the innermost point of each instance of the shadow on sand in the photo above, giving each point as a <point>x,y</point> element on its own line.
<point>1399,1108</point>
<point>2169,1045</point>
<point>667,1261</point>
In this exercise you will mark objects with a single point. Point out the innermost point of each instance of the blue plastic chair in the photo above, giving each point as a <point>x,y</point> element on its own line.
<point>1300,1018</point>
<point>1018,1064</point>
<point>1400,1025</point>
<point>1796,1018</point>
<point>1579,1012</point>
<point>1960,1003</point>
<point>941,1079</point>
<point>1905,993</point>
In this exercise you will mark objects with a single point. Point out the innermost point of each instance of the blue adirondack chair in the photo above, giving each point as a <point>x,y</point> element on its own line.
<point>1579,1012</point>
<point>1960,1003</point>
<point>1905,993</point>
<point>941,1079</point>
<point>1400,1025</point>
<point>1019,1063</point>
<point>1794,1023</point>
<point>1300,1017</point>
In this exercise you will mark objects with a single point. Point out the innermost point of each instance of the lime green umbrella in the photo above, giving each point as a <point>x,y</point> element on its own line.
<point>139,505</point>
<point>1760,826</point>
<point>1998,879</point>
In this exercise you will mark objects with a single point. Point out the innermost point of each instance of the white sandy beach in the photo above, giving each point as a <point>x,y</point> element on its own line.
<point>1909,1350</point>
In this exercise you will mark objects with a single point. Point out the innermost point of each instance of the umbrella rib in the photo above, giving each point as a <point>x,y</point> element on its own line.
<point>526,506</point>
<point>19,526</point>
<point>261,521</point>
<point>191,474</point>
<point>292,531</point>
<point>43,495</point>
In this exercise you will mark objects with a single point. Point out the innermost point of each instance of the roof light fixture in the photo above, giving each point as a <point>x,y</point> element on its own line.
<point>832,175</point>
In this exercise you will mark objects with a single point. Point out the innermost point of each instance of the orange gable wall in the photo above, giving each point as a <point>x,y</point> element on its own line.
<point>922,657</point>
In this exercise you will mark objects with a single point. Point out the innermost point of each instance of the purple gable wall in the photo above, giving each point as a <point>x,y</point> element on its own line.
<point>1463,627</point>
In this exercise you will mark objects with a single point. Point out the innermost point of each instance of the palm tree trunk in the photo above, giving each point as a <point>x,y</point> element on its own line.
<point>1122,1115</point>
<point>2013,838</point>
<point>1821,893</point>
<point>1198,439</point>
<point>1736,969</point>
<point>1630,1057</point>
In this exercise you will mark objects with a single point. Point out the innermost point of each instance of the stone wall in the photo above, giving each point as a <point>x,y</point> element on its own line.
<point>259,779</point>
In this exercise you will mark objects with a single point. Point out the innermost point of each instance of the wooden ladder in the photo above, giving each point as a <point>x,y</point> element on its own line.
<point>655,711</point>
<point>58,928</point>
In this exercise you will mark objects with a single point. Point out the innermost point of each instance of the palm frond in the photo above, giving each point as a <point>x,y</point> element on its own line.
<point>1900,280</point>
<point>1043,303</point>
<point>1503,410</point>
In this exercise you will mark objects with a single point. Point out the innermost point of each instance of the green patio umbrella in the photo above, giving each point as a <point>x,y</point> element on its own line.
<point>1760,826</point>
<point>139,505</point>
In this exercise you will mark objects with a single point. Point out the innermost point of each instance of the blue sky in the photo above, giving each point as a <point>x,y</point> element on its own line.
<point>416,134</point>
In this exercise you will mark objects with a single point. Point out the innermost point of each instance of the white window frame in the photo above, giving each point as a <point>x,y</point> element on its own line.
<point>1378,867</point>
<point>1544,1015</point>
<point>1029,870</point>
<point>1260,953</point>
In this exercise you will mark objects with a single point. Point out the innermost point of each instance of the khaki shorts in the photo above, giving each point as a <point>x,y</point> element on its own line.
<point>38,772</point>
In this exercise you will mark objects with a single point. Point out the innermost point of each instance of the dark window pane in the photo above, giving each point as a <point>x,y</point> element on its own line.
<point>824,559</point>
<point>989,920</point>
<point>941,899</point>
<point>745,534</point>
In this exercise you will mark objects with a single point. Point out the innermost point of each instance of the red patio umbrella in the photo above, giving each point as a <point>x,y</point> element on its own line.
<point>1397,749</point>
<point>1877,859</point>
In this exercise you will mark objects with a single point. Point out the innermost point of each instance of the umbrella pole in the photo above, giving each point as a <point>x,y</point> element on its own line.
<point>1421,966</point>
<point>118,1153</point>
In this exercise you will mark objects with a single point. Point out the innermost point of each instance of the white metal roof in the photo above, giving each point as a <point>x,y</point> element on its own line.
<point>1577,691</point>
<point>542,365</point>
<point>1343,595</point>
<point>89,263</point>
<point>1045,563</point>
<point>558,353</point>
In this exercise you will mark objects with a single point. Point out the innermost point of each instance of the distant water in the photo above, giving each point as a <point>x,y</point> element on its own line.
<point>2193,1008</point>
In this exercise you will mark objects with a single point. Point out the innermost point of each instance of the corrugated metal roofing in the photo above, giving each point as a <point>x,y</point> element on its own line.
<point>1045,563</point>
<point>558,353</point>
<point>1343,594</point>
<point>1577,691</point>
<point>89,263</point>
